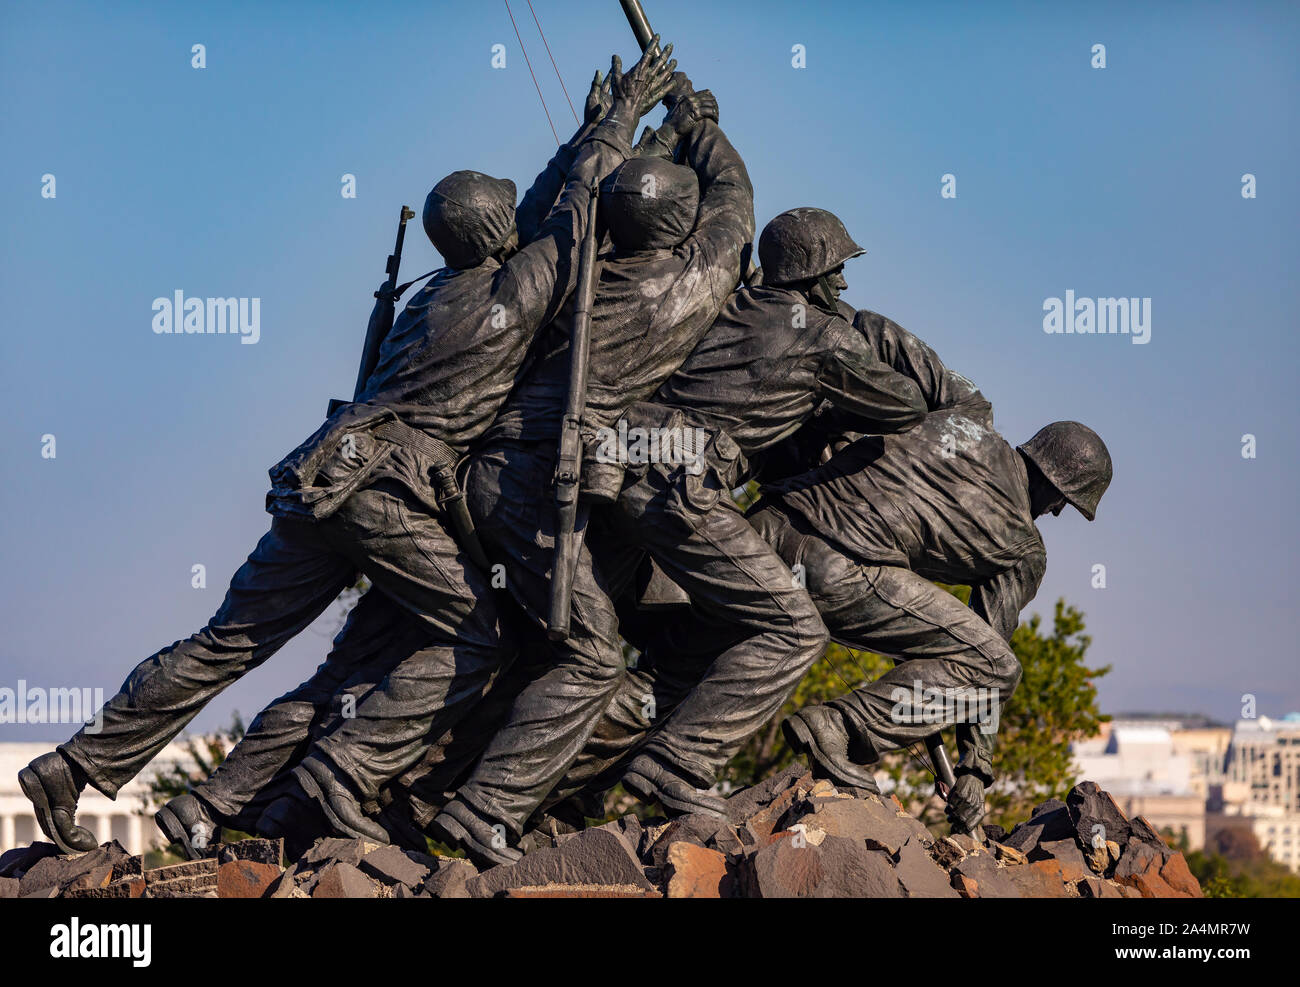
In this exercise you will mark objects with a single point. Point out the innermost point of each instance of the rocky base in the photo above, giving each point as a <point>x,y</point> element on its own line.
<point>790,836</point>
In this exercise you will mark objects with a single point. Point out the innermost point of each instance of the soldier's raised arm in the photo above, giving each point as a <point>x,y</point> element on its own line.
<point>545,190</point>
<point>543,272</point>
<point>724,222</point>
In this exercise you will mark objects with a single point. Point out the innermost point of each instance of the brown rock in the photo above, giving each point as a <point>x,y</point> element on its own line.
<point>342,880</point>
<point>697,872</point>
<point>128,887</point>
<point>964,886</point>
<point>1176,874</point>
<point>1009,855</point>
<point>246,879</point>
<point>1093,887</point>
<point>919,875</point>
<point>595,856</point>
<point>450,878</point>
<point>257,850</point>
<point>990,880</point>
<point>1066,855</point>
<point>745,804</point>
<point>1139,869</point>
<point>1032,882</point>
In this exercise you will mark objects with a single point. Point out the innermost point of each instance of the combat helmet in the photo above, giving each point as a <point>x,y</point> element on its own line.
<point>649,204</point>
<point>468,216</point>
<point>1075,461</point>
<point>803,244</point>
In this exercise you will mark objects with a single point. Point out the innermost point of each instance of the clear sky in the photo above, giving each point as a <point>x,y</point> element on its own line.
<point>225,181</point>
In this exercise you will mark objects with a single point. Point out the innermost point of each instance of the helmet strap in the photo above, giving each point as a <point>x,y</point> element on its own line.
<point>827,301</point>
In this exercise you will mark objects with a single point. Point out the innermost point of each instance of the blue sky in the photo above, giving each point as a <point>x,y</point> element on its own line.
<point>225,181</point>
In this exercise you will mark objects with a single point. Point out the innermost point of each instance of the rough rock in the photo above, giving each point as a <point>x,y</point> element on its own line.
<point>1064,854</point>
<point>393,865</point>
<point>342,880</point>
<point>246,878</point>
<point>697,872</point>
<point>919,875</point>
<point>258,851</point>
<point>1095,816</point>
<point>450,879</point>
<point>596,856</point>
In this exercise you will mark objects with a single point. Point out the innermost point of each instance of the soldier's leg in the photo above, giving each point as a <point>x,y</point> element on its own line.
<point>287,582</point>
<point>675,656</point>
<point>952,667</point>
<point>377,634</point>
<point>409,556</point>
<point>735,578</point>
<point>552,718</point>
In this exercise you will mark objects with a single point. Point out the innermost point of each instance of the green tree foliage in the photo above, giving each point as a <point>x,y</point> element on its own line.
<point>1055,703</point>
<point>1233,865</point>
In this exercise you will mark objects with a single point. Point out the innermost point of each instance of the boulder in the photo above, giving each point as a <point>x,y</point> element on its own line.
<point>1095,816</point>
<point>595,856</point>
<point>697,872</point>
<point>342,880</point>
<point>246,879</point>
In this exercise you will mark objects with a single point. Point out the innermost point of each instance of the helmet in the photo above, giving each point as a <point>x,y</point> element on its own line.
<point>649,203</point>
<point>802,244</point>
<point>1074,460</point>
<point>468,216</point>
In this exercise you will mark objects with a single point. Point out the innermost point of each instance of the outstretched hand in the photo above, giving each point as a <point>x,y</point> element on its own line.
<point>691,111</point>
<point>648,81</point>
<point>598,99</point>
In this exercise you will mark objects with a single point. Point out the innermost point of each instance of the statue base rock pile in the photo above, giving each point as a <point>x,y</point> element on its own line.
<point>789,836</point>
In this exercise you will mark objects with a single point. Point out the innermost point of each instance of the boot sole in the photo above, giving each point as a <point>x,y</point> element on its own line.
<point>803,741</point>
<point>317,795</point>
<point>30,782</point>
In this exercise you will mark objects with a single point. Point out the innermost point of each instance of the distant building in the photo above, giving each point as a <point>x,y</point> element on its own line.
<point>108,820</point>
<point>1261,786</point>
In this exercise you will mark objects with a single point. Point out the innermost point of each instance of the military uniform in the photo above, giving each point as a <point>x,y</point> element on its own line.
<point>651,306</point>
<point>357,496</point>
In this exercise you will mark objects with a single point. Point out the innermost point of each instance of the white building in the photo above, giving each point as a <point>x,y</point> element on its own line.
<point>109,820</point>
<point>1261,788</point>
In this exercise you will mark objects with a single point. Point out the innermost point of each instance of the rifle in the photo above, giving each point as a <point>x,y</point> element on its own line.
<point>568,463</point>
<point>381,316</point>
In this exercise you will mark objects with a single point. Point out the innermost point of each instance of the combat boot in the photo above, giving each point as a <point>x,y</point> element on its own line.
<point>458,825</point>
<point>52,787</point>
<point>187,822</point>
<point>324,787</point>
<point>818,733</point>
<point>652,781</point>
